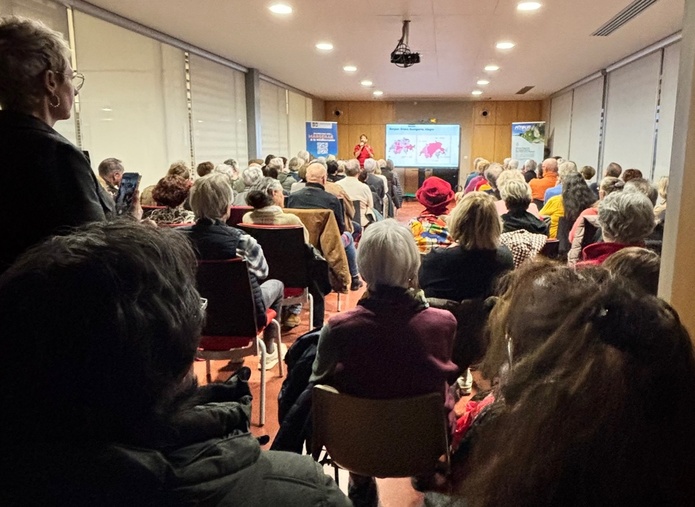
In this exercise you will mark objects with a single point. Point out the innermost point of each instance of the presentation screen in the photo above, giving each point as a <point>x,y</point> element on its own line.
<point>425,145</point>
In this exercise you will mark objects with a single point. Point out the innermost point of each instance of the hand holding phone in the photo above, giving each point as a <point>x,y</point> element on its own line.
<point>126,191</point>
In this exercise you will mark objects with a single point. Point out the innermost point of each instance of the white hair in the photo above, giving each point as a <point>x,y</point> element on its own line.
<point>388,255</point>
<point>507,177</point>
<point>626,217</point>
<point>276,163</point>
<point>304,155</point>
<point>565,168</point>
<point>211,196</point>
<point>352,167</point>
<point>370,165</point>
<point>513,164</point>
<point>251,175</point>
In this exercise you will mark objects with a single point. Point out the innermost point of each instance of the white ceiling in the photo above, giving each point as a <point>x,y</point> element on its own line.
<point>456,38</point>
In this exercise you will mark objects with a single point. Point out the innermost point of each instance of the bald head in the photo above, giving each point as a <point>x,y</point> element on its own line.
<point>316,173</point>
<point>549,165</point>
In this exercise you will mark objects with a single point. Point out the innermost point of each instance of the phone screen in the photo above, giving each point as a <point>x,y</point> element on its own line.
<point>126,190</point>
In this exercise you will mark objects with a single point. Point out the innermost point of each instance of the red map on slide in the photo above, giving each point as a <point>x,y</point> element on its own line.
<point>401,145</point>
<point>433,149</point>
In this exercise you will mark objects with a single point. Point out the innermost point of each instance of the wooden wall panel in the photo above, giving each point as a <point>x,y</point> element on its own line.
<point>529,110</point>
<point>344,146</point>
<point>378,141</point>
<point>360,112</point>
<point>483,142</point>
<point>335,105</point>
<point>479,117</point>
<point>381,113</point>
<point>503,142</point>
<point>506,113</point>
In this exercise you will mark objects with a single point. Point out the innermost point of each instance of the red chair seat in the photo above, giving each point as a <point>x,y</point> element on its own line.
<point>292,292</point>
<point>218,343</point>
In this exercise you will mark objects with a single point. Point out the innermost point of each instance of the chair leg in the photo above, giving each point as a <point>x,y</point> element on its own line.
<point>338,300</point>
<point>264,356</point>
<point>208,375</point>
<point>278,341</point>
<point>311,311</point>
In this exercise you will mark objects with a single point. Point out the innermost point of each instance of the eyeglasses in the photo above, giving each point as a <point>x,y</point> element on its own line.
<point>77,79</point>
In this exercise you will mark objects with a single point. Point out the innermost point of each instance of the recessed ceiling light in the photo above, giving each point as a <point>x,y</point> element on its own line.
<point>350,68</point>
<point>280,9</point>
<point>324,46</point>
<point>528,6</point>
<point>483,82</point>
<point>504,45</point>
<point>476,92</point>
<point>377,93</point>
<point>491,68</point>
<point>366,82</point>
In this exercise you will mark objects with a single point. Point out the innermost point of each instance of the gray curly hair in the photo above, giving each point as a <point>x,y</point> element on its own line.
<point>626,217</point>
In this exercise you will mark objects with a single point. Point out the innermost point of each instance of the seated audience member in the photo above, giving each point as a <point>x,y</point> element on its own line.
<point>315,196</point>
<point>562,171</point>
<point>213,239</point>
<point>478,178</point>
<point>230,167</point>
<point>301,182</point>
<point>469,267</point>
<point>375,349</point>
<point>110,415</point>
<point>304,155</point>
<point>626,219</point>
<point>588,174</point>
<point>267,200</point>
<point>645,186</point>
<point>178,168</point>
<point>613,169</point>
<point>358,191</point>
<point>110,174</point>
<point>250,176</point>
<point>293,175</point>
<point>204,168</point>
<point>430,228</point>
<point>660,209</point>
<point>517,199</point>
<point>273,169</point>
<point>489,186</point>
<point>576,196</point>
<point>609,184</point>
<point>332,169</point>
<point>549,168</point>
<point>630,174</point>
<point>513,164</point>
<point>577,423</point>
<point>502,180</point>
<point>638,265</point>
<point>529,170</point>
<point>474,172</point>
<point>395,191</point>
<point>375,184</point>
<point>172,192</point>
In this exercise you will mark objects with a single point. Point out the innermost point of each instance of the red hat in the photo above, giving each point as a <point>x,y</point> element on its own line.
<point>435,194</point>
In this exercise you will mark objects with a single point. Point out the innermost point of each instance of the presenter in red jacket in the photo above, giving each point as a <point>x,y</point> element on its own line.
<point>362,150</point>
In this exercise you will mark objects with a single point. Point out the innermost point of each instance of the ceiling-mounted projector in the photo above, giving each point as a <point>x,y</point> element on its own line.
<point>402,56</point>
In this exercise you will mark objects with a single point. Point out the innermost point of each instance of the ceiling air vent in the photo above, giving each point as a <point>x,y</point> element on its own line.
<point>623,17</point>
<point>525,89</point>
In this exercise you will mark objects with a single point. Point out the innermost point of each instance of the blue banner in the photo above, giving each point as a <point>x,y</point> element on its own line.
<point>322,138</point>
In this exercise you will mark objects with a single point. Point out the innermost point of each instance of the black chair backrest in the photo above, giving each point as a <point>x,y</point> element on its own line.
<point>550,249</point>
<point>284,250</point>
<point>226,286</point>
<point>358,212</point>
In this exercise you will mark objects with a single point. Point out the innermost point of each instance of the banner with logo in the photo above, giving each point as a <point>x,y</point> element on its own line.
<point>528,141</point>
<point>322,138</point>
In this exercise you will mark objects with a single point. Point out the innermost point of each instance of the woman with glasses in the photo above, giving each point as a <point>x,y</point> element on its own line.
<point>37,89</point>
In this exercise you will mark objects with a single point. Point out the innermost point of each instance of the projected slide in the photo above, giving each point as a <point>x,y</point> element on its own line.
<point>426,145</point>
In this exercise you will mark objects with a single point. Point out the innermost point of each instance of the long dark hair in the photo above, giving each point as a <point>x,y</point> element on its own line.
<point>576,196</point>
<point>601,413</point>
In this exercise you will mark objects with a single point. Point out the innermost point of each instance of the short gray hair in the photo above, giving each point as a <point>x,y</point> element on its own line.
<point>513,164</point>
<point>304,155</point>
<point>506,177</point>
<point>517,194</point>
<point>28,48</point>
<point>251,175</point>
<point>626,217</point>
<point>227,170</point>
<point>530,165</point>
<point>388,255</point>
<point>276,163</point>
<point>295,163</point>
<point>352,167</point>
<point>211,196</point>
<point>492,173</point>
<point>566,168</point>
<point>370,165</point>
<point>108,166</point>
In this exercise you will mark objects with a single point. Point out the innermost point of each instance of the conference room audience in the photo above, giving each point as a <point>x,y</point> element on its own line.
<point>478,176</point>
<point>502,180</point>
<point>529,170</point>
<point>469,267</point>
<point>110,173</point>
<point>204,168</point>
<point>575,198</point>
<point>630,174</point>
<point>563,170</point>
<point>395,191</point>
<point>391,345</point>
<point>626,219</point>
<point>213,239</point>
<point>645,186</point>
<point>249,176</point>
<point>267,200</point>
<point>376,184</point>
<point>430,227</point>
<point>37,89</point>
<point>112,415</point>
<point>358,191</point>
<point>293,176</point>
<point>171,191</point>
<point>576,422</point>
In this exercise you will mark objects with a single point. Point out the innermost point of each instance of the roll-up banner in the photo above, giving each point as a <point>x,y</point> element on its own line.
<point>528,141</point>
<point>322,138</point>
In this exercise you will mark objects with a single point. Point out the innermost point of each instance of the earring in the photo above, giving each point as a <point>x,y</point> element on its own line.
<point>50,101</point>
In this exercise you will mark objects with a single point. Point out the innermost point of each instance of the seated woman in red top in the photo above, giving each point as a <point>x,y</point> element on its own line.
<point>362,150</point>
<point>392,345</point>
